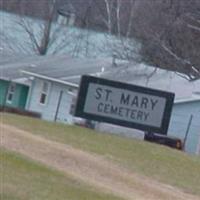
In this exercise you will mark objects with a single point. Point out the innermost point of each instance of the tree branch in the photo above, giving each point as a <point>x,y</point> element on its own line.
<point>196,28</point>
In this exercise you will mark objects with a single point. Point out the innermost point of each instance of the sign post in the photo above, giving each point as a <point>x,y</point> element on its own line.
<point>124,104</point>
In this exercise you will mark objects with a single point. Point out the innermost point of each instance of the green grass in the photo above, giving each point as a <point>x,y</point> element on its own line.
<point>161,163</point>
<point>23,179</point>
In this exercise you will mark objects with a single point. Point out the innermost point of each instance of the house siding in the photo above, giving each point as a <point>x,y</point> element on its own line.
<point>48,110</point>
<point>179,122</point>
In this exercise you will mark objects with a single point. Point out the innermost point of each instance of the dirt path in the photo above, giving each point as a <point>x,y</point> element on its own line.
<point>90,168</point>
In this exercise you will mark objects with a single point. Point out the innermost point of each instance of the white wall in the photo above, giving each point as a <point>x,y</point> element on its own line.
<point>48,110</point>
<point>120,130</point>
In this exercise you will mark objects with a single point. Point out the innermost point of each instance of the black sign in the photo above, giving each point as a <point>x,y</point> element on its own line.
<point>124,104</point>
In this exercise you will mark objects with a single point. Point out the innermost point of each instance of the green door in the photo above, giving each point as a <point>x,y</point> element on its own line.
<point>17,95</point>
<point>23,96</point>
<point>3,91</point>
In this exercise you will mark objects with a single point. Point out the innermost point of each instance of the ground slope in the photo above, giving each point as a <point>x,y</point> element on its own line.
<point>90,168</point>
<point>24,179</point>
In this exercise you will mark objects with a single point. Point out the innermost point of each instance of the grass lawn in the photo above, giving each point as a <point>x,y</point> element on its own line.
<point>23,179</point>
<point>161,163</point>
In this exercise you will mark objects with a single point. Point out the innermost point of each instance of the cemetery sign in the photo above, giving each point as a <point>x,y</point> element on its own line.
<point>124,104</point>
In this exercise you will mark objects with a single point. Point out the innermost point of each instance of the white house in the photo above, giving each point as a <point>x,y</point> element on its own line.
<point>52,98</point>
<point>53,90</point>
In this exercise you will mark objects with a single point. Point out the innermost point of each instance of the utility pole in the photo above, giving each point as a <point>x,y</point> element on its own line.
<point>58,105</point>
<point>187,131</point>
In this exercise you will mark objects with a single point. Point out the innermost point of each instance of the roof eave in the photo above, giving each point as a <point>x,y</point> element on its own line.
<point>186,100</point>
<point>75,86</point>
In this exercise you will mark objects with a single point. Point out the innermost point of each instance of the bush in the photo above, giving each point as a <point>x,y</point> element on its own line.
<point>19,111</point>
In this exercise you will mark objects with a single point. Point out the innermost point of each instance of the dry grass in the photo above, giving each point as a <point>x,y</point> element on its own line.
<point>157,162</point>
<point>24,179</point>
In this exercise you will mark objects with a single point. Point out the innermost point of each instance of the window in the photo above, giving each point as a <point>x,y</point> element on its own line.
<point>44,92</point>
<point>11,91</point>
<point>73,105</point>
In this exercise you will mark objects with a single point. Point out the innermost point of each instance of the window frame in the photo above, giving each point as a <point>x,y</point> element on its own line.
<point>11,92</point>
<point>43,92</point>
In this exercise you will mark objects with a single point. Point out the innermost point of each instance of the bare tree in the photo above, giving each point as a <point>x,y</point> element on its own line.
<point>41,45</point>
<point>117,18</point>
<point>43,35</point>
<point>169,33</point>
<point>47,33</point>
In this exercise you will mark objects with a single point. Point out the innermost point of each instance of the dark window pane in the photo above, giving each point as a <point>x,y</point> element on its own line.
<point>10,96</point>
<point>43,98</point>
